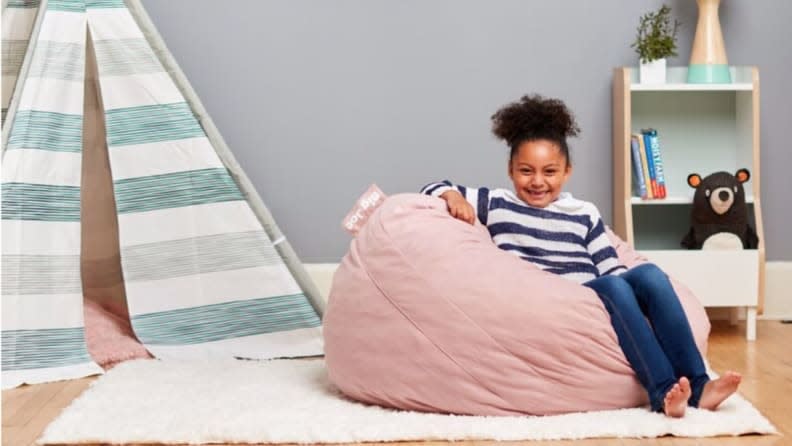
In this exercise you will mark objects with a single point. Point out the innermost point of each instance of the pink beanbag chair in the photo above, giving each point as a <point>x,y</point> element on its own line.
<point>426,313</point>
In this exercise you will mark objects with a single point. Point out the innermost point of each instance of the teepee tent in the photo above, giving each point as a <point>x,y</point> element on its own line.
<point>117,186</point>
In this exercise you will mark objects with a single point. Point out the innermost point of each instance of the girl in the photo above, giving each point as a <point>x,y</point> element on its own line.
<point>563,235</point>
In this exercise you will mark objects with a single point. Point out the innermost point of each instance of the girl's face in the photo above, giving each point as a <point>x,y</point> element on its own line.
<point>538,171</point>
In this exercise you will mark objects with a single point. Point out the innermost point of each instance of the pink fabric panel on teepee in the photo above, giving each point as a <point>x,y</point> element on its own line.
<point>109,336</point>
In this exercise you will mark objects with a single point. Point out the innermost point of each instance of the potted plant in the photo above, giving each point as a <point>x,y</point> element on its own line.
<point>655,41</point>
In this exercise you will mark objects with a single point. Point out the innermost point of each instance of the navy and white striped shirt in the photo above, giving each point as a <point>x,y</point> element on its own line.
<point>566,238</point>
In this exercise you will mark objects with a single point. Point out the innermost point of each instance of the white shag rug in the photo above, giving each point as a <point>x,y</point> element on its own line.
<point>283,401</point>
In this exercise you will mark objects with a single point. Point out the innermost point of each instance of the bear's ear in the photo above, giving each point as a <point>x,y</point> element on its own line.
<point>694,180</point>
<point>743,175</point>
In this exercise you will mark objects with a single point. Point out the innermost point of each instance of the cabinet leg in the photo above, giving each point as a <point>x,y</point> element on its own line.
<point>750,323</point>
<point>734,315</point>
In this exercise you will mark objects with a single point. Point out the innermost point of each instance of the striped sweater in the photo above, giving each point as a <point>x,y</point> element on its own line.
<point>566,238</point>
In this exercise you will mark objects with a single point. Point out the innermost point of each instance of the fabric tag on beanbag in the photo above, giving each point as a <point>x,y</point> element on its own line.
<point>365,206</point>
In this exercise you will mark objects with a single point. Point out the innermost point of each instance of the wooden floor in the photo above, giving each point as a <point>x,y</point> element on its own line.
<point>765,364</point>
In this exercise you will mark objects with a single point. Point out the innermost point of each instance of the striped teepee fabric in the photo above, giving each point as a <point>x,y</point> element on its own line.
<point>43,335</point>
<point>202,276</point>
<point>18,18</point>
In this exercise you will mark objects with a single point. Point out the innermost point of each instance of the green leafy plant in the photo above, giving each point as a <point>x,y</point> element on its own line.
<point>656,37</point>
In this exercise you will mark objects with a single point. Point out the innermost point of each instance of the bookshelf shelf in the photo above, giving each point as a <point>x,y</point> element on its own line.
<point>702,128</point>
<point>676,79</point>
<point>671,200</point>
<point>692,87</point>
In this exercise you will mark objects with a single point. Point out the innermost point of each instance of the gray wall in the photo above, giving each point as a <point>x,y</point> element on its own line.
<point>319,98</point>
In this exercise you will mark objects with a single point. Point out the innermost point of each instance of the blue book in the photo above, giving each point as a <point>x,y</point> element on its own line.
<point>653,145</point>
<point>637,169</point>
<point>650,162</point>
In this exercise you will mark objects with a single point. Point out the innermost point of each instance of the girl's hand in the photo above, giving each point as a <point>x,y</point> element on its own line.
<point>458,207</point>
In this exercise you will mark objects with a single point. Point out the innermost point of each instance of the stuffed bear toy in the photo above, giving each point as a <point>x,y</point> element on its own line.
<point>719,219</point>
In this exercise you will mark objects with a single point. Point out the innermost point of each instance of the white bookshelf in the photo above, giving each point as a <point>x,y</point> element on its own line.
<point>702,128</point>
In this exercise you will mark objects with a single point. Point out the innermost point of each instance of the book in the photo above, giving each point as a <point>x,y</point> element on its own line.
<point>638,173</point>
<point>650,164</point>
<point>644,165</point>
<point>653,144</point>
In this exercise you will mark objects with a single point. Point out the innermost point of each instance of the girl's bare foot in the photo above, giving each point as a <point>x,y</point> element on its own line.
<point>676,399</point>
<point>719,389</point>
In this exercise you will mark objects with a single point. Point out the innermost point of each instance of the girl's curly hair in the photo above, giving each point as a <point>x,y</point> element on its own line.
<point>535,117</point>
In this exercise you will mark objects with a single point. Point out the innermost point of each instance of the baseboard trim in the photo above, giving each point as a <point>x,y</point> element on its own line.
<point>778,291</point>
<point>778,288</point>
<point>322,275</point>
<point>778,297</point>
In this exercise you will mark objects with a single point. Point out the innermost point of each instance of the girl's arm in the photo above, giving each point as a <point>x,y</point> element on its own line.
<point>464,203</point>
<point>599,246</point>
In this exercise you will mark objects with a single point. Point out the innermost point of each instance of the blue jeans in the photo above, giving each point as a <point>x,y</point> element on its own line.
<point>659,353</point>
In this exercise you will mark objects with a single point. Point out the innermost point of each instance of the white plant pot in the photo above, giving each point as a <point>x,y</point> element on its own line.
<point>653,72</point>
